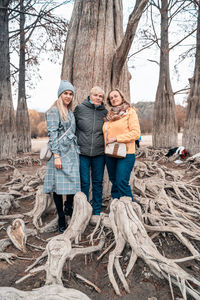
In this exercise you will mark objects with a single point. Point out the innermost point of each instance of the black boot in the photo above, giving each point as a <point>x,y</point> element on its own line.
<point>61,224</point>
<point>68,210</point>
<point>61,216</point>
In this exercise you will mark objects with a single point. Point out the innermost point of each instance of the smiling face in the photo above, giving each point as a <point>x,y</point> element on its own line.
<point>115,98</point>
<point>97,98</point>
<point>67,97</point>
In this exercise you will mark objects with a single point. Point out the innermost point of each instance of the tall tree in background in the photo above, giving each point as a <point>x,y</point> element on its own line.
<point>165,130</point>
<point>8,143</point>
<point>22,116</point>
<point>191,136</point>
<point>96,49</point>
<point>49,29</point>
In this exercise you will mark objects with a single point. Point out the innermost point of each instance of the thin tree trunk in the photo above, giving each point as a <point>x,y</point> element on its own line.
<point>191,136</point>
<point>95,32</point>
<point>22,116</point>
<point>123,50</point>
<point>165,132</point>
<point>8,143</point>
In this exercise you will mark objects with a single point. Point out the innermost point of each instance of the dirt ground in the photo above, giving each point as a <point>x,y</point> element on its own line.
<point>142,282</point>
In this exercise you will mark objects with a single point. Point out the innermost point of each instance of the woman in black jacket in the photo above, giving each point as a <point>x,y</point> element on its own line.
<point>89,122</point>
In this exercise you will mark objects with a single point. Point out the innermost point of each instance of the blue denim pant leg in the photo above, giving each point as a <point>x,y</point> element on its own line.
<point>97,166</point>
<point>120,175</point>
<point>111,164</point>
<point>85,162</point>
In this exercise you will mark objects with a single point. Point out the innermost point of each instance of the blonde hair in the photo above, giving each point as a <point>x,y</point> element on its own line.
<point>97,89</point>
<point>62,111</point>
<point>121,94</point>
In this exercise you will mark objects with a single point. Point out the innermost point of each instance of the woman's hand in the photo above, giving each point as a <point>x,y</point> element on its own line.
<point>111,140</point>
<point>57,162</point>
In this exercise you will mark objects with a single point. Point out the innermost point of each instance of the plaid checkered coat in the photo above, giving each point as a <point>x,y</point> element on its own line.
<point>65,181</point>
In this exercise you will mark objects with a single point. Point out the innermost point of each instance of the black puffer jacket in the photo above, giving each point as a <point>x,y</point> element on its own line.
<point>89,123</point>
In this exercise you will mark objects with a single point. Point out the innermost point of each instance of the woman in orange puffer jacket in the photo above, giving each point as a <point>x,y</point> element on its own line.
<point>122,125</point>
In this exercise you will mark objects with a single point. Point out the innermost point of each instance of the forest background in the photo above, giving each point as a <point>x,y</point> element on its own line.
<point>164,35</point>
<point>43,74</point>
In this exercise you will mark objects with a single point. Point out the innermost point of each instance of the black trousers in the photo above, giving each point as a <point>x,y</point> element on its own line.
<point>58,199</point>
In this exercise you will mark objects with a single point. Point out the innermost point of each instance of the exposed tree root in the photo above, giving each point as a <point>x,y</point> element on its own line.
<point>5,203</point>
<point>43,204</point>
<point>49,227</point>
<point>60,248</point>
<point>127,227</point>
<point>88,282</point>
<point>28,160</point>
<point>7,257</point>
<point>17,234</point>
<point>56,292</point>
<point>168,201</point>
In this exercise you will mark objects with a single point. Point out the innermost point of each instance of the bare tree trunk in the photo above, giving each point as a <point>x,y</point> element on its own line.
<point>122,51</point>
<point>22,116</point>
<point>165,132</point>
<point>191,136</point>
<point>8,144</point>
<point>95,33</point>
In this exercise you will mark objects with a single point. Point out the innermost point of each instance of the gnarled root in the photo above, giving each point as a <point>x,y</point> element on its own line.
<point>59,248</point>
<point>81,215</point>
<point>127,227</point>
<point>5,203</point>
<point>43,202</point>
<point>7,257</point>
<point>55,292</point>
<point>17,234</point>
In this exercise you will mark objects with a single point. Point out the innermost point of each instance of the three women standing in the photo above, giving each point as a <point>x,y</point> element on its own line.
<point>122,126</point>
<point>62,172</point>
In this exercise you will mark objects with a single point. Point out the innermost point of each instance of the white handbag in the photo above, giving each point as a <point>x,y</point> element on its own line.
<point>45,151</point>
<point>115,149</point>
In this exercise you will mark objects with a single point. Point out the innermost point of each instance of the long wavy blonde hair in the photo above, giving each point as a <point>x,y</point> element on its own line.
<point>62,111</point>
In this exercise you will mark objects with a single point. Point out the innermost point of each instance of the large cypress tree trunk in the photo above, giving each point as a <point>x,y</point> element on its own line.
<point>95,33</point>
<point>8,143</point>
<point>191,135</point>
<point>165,130</point>
<point>22,116</point>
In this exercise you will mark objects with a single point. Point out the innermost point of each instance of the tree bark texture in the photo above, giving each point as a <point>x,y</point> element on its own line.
<point>95,33</point>
<point>8,143</point>
<point>165,130</point>
<point>22,116</point>
<point>191,136</point>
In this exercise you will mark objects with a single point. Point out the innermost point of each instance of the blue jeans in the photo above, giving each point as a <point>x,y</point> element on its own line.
<point>96,164</point>
<point>119,171</point>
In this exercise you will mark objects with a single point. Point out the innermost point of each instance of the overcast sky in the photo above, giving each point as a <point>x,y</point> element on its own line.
<point>143,84</point>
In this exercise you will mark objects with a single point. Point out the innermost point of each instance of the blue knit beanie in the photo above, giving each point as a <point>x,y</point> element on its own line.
<point>65,86</point>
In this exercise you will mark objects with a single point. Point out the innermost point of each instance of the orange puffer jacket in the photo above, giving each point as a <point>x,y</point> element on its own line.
<point>126,130</point>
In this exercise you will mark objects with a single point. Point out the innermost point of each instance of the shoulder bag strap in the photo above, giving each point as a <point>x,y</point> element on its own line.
<point>65,132</point>
<point>106,125</point>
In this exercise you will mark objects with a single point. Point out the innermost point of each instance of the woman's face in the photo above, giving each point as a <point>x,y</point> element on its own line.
<point>97,98</point>
<point>115,98</point>
<point>67,97</point>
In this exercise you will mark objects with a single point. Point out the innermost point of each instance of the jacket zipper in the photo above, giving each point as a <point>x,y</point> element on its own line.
<point>93,132</point>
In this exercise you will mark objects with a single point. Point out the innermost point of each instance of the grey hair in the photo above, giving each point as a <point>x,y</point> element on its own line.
<point>97,89</point>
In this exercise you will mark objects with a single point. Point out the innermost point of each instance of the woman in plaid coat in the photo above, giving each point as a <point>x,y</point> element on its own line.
<point>62,172</point>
